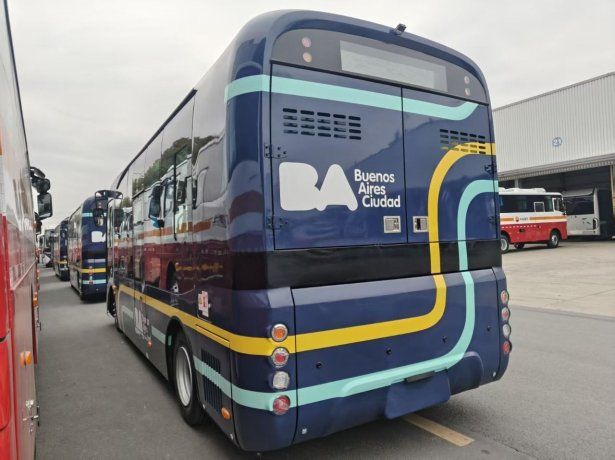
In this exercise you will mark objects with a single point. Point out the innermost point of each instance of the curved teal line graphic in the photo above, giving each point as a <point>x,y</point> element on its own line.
<point>472,190</point>
<point>367,382</point>
<point>293,87</point>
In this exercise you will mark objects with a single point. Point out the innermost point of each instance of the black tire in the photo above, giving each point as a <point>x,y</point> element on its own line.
<point>189,405</point>
<point>519,245</point>
<point>504,243</point>
<point>554,239</point>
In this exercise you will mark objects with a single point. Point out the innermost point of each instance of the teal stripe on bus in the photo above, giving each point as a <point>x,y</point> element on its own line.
<point>472,191</point>
<point>359,384</point>
<point>294,87</point>
<point>87,281</point>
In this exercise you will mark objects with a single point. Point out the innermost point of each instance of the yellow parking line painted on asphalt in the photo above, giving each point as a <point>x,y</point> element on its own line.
<point>441,431</point>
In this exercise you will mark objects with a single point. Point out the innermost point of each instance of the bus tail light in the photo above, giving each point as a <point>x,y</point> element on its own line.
<point>506,330</point>
<point>281,404</point>
<point>506,347</point>
<point>505,314</point>
<point>279,357</point>
<point>504,297</point>
<point>280,380</point>
<point>279,332</point>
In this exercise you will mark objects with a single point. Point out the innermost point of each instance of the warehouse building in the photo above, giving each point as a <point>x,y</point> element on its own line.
<point>563,140</point>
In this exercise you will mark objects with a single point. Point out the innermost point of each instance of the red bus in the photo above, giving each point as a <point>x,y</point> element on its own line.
<point>18,272</point>
<point>531,216</point>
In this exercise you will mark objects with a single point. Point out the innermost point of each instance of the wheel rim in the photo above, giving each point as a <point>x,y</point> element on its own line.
<point>183,376</point>
<point>554,238</point>
<point>503,244</point>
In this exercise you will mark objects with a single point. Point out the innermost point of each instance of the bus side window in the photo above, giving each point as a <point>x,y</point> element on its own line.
<point>169,192</point>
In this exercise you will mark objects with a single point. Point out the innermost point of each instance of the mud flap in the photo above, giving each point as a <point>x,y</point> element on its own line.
<point>406,397</point>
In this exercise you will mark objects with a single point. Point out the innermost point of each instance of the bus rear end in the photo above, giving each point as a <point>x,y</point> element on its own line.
<point>384,226</point>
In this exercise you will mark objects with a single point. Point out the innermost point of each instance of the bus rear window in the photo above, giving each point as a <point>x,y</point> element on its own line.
<point>377,63</point>
<point>362,57</point>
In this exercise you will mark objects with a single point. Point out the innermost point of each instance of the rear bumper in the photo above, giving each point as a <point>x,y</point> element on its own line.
<point>326,417</point>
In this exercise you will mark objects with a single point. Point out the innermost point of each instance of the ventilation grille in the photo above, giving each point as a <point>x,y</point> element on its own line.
<point>213,393</point>
<point>321,124</point>
<point>462,142</point>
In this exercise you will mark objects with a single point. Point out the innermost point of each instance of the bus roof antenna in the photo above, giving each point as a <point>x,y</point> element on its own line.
<point>399,29</point>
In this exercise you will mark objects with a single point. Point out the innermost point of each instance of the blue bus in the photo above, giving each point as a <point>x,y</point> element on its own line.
<point>87,250</point>
<point>59,250</point>
<point>311,240</point>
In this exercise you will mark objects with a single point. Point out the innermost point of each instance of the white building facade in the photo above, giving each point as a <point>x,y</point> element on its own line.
<point>561,140</point>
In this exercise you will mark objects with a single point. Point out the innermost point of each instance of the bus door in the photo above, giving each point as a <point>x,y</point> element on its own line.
<point>447,145</point>
<point>337,166</point>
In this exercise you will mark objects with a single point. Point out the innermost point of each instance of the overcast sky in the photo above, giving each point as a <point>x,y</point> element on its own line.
<point>99,77</point>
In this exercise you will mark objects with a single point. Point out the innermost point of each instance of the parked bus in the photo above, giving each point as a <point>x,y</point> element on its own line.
<point>18,272</point>
<point>531,216</point>
<point>86,250</point>
<point>590,213</point>
<point>59,251</point>
<point>311,240</point>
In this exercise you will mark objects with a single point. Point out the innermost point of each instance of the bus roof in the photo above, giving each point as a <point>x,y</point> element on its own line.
<point>526,191</point>
<point>250,51</point>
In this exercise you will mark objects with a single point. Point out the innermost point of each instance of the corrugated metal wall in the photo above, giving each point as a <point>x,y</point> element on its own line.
<point>582,116</point>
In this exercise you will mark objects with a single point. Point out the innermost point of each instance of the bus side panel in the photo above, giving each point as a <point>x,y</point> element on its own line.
<point>24,354</point>
<point>7,428</point>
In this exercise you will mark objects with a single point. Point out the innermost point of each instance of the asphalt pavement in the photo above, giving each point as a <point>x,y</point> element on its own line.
<point>100,398</point>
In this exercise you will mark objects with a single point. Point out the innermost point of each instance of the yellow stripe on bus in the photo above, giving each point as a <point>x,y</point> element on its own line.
<point>89,270</point>
<point>373,331</point>
<point>240,343</point>
<point>433,197</point>
<point>308,341</point>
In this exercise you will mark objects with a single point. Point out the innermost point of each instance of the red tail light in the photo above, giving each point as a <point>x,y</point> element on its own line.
<point>281,404</point>
<point>279,357</point>
<point>506,347</point>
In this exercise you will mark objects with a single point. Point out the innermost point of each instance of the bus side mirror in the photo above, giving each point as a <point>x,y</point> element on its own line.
<point>45,206</point>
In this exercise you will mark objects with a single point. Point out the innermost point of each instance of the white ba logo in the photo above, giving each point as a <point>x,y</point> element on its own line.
<point>298,191</point>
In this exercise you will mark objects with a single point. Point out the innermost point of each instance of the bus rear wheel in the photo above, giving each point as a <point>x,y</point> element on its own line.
<point>553,239</point>
<point>504,243</point>
<point>184,382</point>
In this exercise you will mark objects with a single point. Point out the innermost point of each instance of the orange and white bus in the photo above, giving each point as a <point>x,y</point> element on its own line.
<point>531,216</point>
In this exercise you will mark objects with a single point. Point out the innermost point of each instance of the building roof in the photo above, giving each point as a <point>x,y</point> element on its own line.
<point>553,91</point>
